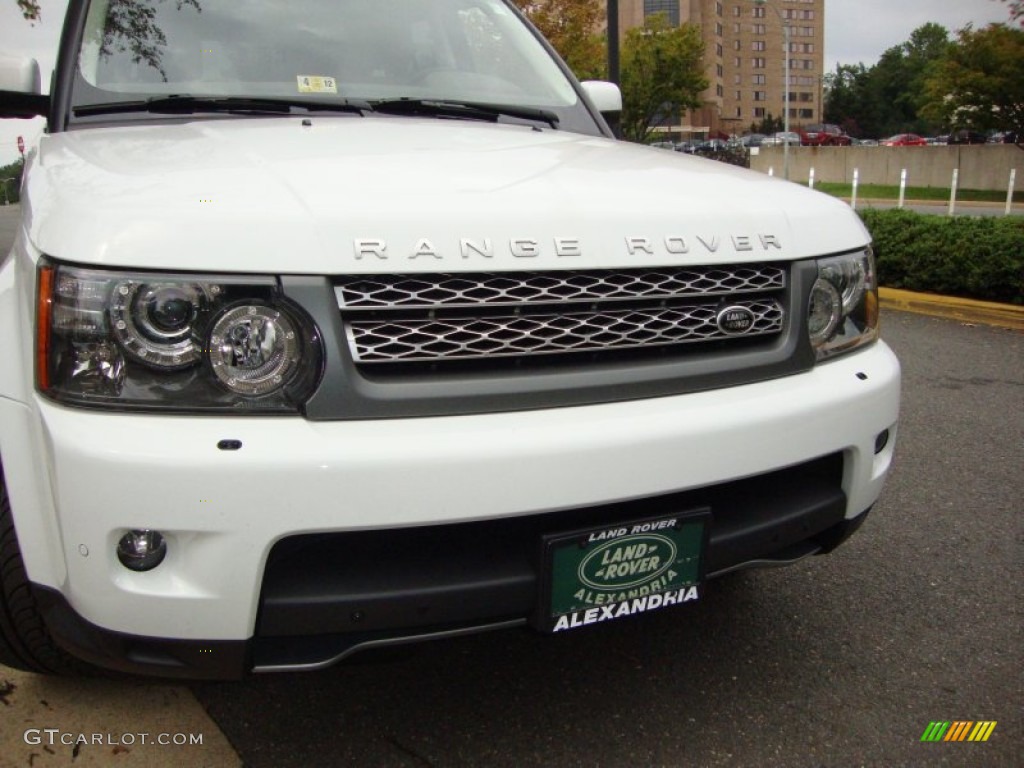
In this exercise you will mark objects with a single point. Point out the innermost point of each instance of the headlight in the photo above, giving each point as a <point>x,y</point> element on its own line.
<point>179,342</point>
<point>253,349</point>
<point>843,311</point>
<point>153,322</point>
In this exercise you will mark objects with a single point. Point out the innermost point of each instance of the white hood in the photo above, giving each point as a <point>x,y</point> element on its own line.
<point>346,194</point>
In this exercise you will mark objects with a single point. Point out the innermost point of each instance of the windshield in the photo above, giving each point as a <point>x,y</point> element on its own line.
<point>465,51</point>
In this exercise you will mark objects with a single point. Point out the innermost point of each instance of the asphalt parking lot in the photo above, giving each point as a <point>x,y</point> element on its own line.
<point>837,661</point>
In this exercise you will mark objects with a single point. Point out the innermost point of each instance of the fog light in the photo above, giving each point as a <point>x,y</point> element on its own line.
<point>141,550</point>
<point>881,441</point>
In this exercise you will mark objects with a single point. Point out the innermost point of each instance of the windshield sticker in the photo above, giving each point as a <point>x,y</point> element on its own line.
<point>317,84</point>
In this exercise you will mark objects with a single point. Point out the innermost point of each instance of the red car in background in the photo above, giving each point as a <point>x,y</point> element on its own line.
<point>904,140</point>
<point>824,135</point>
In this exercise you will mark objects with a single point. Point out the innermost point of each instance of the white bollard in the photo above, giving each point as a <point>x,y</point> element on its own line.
<point>771,170</point>
<point>1009,191</point>
<point>903,186</point>
<point>810,179</point>
<point>856,182</point>
<point>952,191</point>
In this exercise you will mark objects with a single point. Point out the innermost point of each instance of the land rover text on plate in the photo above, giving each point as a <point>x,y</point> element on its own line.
<point>339,323</point>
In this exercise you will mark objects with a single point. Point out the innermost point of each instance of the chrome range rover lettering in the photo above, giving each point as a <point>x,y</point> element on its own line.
<point>677,244</point>
<point>517,247</point>
<point>562,247</point>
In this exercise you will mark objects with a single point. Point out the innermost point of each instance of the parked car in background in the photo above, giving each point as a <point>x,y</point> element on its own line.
<point>965,136</point>
<point>867,142</point>
<point>711,146</point>
<point>824,135</point>
<point>1003,137</point>
<point>904,140</point>
<point>780,138</point>
<point>752,139</point>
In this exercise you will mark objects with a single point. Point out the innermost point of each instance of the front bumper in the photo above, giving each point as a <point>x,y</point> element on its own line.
<point>223,512</point>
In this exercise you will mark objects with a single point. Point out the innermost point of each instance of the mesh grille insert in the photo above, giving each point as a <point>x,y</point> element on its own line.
<point>433,318</point>
<point>434,291</point>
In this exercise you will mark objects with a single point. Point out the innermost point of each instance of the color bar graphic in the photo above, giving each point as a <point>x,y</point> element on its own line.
<point>935,731</point>
<point>982,731</point>
<point>958,730</point>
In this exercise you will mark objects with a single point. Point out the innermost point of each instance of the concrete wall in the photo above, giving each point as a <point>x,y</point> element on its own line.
<point>985,166</point>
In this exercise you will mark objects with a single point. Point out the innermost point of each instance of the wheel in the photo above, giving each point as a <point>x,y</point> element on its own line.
<point>25,642</point>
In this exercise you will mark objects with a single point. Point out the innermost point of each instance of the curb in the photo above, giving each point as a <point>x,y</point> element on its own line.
<point>96,722</point>
<point>965,310</point>
<point>1015,206</point>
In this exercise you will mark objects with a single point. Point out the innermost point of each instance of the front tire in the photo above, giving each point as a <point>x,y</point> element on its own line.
<point>25,642</point>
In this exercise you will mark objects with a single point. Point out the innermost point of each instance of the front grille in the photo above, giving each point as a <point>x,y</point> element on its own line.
<point>433,291</point>
<point>444,317</point>
<point>511,335</point>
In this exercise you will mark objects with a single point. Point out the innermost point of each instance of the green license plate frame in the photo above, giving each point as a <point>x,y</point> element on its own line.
<point>614,571</point>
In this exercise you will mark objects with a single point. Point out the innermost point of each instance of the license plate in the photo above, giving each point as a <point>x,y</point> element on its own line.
<point>622,570</point>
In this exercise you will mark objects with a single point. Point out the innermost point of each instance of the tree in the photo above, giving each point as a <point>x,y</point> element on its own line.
<point>29,9</point>
<point>662,72</point>
<point>888,97</point>
<point>980,83</point>
<point>571,26</point>
<point>896,83</point>
<point>768,125</point>
<point>1016,10</point>
<point>10,182</point>
<point>847,101</point>
<point>130,27</point>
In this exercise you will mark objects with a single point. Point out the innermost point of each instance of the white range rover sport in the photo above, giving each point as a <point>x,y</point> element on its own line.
<point>331,324</point>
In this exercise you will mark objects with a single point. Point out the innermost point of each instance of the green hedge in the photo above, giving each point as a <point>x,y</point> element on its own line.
<point>973,257</point>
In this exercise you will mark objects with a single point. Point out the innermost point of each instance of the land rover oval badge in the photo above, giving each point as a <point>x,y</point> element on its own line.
<point>735,320</point>
<point>628,562</point>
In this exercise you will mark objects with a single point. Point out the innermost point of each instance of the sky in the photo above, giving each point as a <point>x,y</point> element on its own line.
<point>856,31</point>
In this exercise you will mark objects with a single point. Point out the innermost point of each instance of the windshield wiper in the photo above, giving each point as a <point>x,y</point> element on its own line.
<point>465,110</point>
<point>188,105</point>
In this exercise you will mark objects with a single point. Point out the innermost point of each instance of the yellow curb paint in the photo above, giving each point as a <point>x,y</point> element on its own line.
<point>964,310</point>
<point>110,717</point>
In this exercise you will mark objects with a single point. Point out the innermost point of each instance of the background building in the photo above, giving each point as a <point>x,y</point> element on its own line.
<point>744,60</point>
